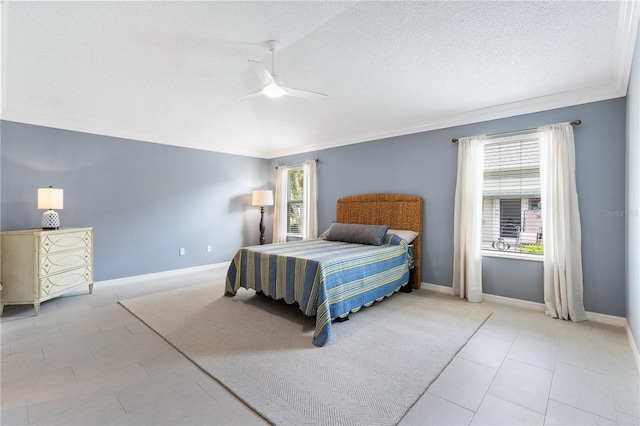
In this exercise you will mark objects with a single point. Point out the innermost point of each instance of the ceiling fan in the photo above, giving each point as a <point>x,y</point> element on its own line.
<point>273,87</point>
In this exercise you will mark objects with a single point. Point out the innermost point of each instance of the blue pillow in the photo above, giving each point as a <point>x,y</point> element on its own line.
<point>356,233</point>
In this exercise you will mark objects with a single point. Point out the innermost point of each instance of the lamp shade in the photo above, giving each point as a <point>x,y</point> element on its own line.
<point>50,198</point>
<point>262,198</point>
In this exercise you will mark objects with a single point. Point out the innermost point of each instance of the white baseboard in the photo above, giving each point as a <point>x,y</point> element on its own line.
<point>634,347</point>
<point>155,275</point>
<point>607,319</point>
<point>518,303</point>
<point>437,288</point>
<point>535,306</point>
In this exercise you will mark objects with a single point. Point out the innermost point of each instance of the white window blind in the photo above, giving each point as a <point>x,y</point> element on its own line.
<point>512,169</point>
<point>511,194</point>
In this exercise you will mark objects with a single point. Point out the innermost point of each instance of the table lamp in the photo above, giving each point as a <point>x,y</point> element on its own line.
<point>262,198</point>
<point>50,198</point>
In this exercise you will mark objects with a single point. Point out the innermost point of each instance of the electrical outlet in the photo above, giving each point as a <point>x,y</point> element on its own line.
<point>182,251</point>
<point>208,249</point>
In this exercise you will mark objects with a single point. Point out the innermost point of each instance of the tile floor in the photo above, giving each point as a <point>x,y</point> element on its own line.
<point>85,360</point>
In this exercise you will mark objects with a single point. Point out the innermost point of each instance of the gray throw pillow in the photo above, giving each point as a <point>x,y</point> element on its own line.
<point>356,233</point>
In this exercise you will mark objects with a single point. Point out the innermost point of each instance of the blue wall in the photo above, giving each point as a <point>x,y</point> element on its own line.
<point>632,289</point>
<point>144,200</point>
<point>425,164</point>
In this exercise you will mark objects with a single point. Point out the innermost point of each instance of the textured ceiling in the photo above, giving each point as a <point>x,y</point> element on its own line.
<point>170,72</point>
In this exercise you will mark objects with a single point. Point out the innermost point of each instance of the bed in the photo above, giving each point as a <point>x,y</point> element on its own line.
<point>329,277</point>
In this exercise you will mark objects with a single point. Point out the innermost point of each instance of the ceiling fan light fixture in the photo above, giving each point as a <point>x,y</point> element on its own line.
<point>273,91</point>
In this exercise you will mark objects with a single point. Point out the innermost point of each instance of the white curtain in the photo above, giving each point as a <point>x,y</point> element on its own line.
<point>467,225</point>
<point>310,209</point>
<point>560,223</point>
<point>280,206</point>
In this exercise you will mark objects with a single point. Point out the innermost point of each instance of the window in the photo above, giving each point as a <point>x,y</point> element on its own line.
<point>295,202</point>
<point>511,210</point>
<point>295,214</point>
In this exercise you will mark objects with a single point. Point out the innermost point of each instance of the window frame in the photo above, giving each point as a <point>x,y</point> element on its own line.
<point>525,202</point>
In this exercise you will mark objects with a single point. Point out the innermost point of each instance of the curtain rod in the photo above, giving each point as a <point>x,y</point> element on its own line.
<point>573,123</point>
<point>296,165</point>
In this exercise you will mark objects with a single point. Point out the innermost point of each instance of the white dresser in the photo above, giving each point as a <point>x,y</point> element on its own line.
<point>38,265</point>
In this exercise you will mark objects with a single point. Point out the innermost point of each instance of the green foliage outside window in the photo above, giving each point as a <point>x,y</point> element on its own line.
<point>296,183</point>
<point>532,248</point>
<point>295,201</point>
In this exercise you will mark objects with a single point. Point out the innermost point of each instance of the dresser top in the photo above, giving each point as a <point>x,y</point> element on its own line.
<point>41,231</point>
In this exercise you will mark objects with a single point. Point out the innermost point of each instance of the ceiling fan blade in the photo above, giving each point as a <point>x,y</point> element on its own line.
<point>251,95</point>
<point>265,76</point>
<point>299,93</point>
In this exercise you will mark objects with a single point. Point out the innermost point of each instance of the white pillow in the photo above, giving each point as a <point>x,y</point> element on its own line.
<point>407,235</point>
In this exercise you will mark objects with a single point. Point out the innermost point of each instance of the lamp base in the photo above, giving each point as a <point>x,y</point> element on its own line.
<point>50,220</point>
<point>262,239</point>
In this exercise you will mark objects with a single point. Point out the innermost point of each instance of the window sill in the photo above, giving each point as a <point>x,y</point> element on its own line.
<point>512,255</point>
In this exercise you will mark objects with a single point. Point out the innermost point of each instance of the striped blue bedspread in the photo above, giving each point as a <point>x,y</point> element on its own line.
<point>326,278</point>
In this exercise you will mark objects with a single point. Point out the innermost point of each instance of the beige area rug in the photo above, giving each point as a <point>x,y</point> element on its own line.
<point>374,368</point>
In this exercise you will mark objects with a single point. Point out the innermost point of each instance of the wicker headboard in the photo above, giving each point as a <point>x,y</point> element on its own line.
<point>399,211</point>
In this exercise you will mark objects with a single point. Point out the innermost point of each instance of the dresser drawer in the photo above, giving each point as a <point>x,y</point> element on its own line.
<point>57,242</point>
<point>62,261</point>
<point>58,283</point>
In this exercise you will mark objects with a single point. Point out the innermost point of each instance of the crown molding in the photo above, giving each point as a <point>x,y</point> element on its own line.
<point>10,114</point>
<point>529,106</point>
<point>625,43</point>
<point>543,103</point>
